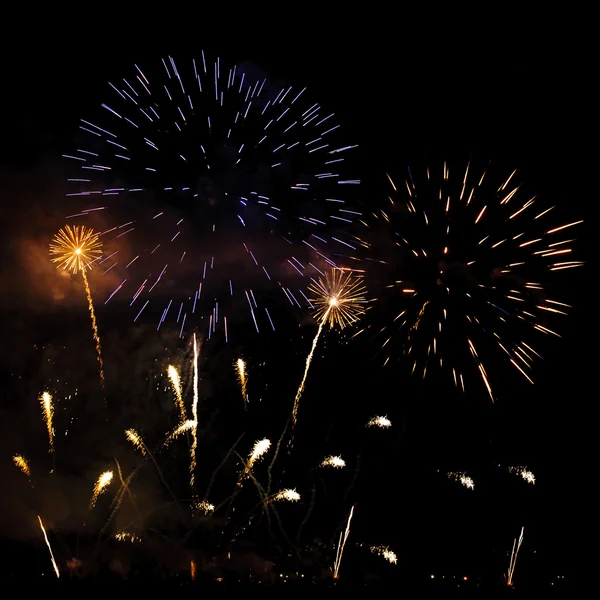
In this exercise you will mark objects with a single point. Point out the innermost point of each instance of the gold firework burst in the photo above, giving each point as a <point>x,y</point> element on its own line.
<point>339,298</point>
<point>75,249</point>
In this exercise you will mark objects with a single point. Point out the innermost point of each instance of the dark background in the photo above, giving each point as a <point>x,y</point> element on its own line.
<point>507,93</point>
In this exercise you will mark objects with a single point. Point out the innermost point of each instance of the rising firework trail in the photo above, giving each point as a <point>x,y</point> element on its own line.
<point>338,300</point>
<point>194,446</point>
<point>76,250</point>
<point>242,376</point>
<point>469,259</point>
<point>176,383</point>
<point>340,547</point>
<point>48,414</point>
<point>54,565</point>
<point>239,185</point>
<point>513,558</point>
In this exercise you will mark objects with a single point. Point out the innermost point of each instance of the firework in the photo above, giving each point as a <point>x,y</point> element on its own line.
<point>258,451</point>
<point>21,463</point>
<point>513,558</point>
<point>384,551</point>
<point>340,547</point>
<point>176,383</point>
<point>54,565</point>
<point>337,462</point>
<point>468,256</point>
<point>463,478</point>
<point>189,425</point>
<point>205,507</point>
<point>229,165</point>
<point>135,438</point>
<point>242,375</point>
<point>382,422</point>
<point>124,536</point>
<point>288,494</point>
<point>194,445</point>
<point>101,486</point>
<point>525,473</point>
<point>48,412</point>
<point>339,299</point>
<point>76,250</point>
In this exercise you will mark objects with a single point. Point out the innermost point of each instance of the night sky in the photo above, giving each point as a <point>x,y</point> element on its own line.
<point>405,98</point>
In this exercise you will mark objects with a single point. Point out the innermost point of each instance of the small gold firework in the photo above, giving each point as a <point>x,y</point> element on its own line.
<point>463,478</point>
<point>21,463</point>
<point>242,375</point>
<point>337,462</point>
<point>48,412</point>
<point>288,494</point>
<point>384,551</point>
<point>380,421</point>
<point>134,437</point>
<point>75,249</point>
<point>101,485</point>
<point>524,472</point>
<point>339,298</point>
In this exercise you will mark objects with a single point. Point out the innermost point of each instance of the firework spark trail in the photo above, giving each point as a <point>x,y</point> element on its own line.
<point>311,506</point>
<point>21,463</point>
<point>189,425</point>
<point>306,368</point>
<point>287,494</point>
<point>48,412</point>
<point>88,294</point>
<point>524,472</point>
<point>384,551</point>
<point>135,438</point>
<point>259,449</point>
<point>220,466</point>
<point>382,422</point>
<point>513,558</point>
<point>463,478</point>
<point>340,547</point>
<point>101,486</point>
<point>240,367</point>
<point>194,445</point>
<point>176,383</point>
<point>54,565</point>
